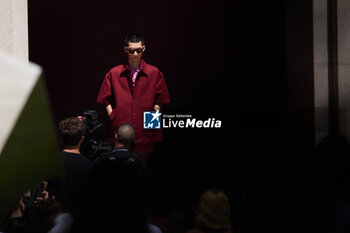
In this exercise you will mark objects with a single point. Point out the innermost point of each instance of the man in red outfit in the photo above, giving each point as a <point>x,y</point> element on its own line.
<point>130,89</point>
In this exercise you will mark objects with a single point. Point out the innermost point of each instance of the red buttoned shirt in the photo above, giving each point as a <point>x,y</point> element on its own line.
<point>129,102</point>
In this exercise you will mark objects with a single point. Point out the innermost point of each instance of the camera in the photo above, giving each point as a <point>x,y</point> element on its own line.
<point>90,119</point>
<point>90,147</point>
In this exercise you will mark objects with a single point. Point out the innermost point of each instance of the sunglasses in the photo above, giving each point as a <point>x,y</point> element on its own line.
<point>132,50</point>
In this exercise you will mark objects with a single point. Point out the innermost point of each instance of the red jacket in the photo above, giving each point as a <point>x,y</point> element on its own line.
<point>129,102</point>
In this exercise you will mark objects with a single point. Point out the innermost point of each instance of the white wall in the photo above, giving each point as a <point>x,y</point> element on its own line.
<point>320,69</point>
<point>14,28</point>
<point>344,65</point>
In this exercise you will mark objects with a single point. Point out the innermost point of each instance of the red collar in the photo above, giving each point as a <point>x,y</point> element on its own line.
<point>143,68</point>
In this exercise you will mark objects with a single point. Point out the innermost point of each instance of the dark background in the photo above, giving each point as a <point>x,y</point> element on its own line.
<point>247,63</point>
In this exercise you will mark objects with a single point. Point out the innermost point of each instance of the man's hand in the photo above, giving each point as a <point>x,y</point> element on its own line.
<point>45,195</point>
<point>109,109</point>
<point>156,107</point>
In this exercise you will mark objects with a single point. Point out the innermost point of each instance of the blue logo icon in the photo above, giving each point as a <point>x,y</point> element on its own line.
<point>151,120</point>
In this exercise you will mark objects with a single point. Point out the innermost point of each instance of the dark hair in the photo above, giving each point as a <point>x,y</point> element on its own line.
<point>71,130</point>
<point>126,134</point>
<point>133,37</point>
<point>213,211</point>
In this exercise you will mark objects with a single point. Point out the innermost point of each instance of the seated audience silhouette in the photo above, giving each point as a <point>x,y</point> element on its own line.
<point>117,198</point>
<point>71,185</point>
<point>213,213</point>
